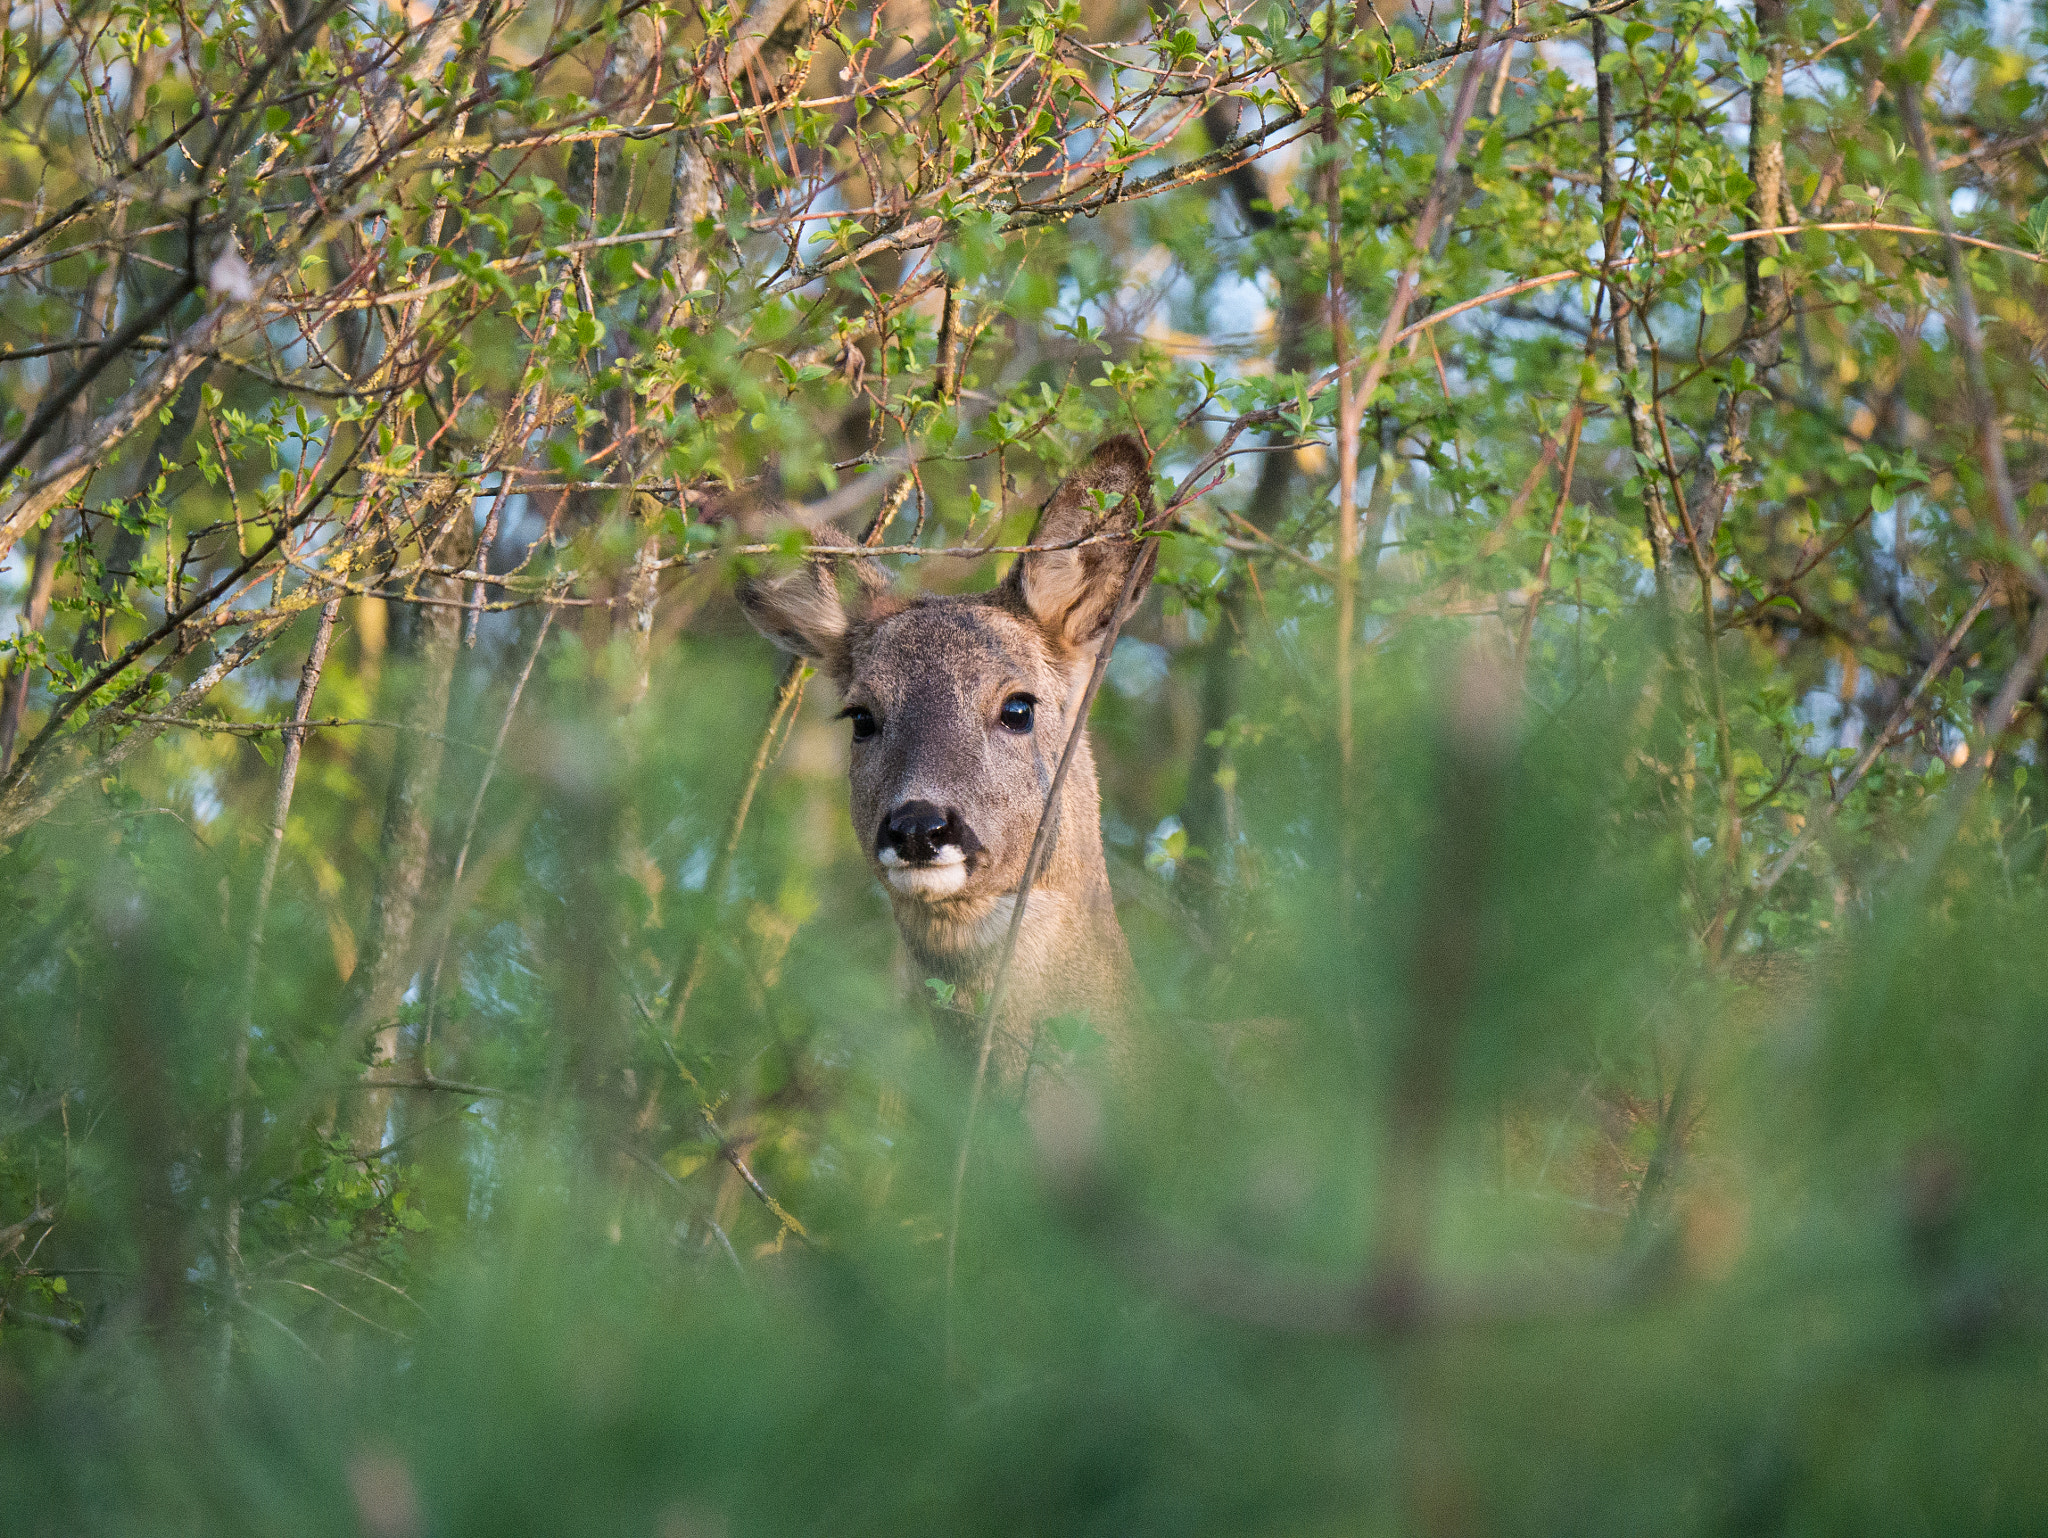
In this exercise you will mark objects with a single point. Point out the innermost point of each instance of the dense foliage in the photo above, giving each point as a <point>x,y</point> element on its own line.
<point>1569,793</point>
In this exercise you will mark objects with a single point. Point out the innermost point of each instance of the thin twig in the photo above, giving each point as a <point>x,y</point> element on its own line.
<point>789,692</point>
<point>516,446</point>
<point>1573,430</point>
<point>1048,819</point>
<point>1393,329</point>
<point>1968,332</point>
<point>280,815</point>
<point>70,1329</point>
<point>728,1149</point>
<point>1348,424</point>
<point>1817,822</point>
<point>11,1234</point>
<point>476,807</point>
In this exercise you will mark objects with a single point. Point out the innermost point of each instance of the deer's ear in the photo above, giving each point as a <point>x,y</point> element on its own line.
<point>801,612</point>
<point>1072,593</point>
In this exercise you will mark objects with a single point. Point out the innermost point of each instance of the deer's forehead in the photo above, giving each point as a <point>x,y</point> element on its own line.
<point>963,644</point>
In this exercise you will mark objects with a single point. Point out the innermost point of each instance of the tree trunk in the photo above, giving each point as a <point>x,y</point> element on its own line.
<point>1769,304</point>
<point>94,322</point>
<point>425,642</point>
<point>1209,810</point>
<point>35,608</point>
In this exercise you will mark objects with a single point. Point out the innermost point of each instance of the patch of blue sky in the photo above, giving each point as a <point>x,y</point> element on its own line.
<point>202,796</point>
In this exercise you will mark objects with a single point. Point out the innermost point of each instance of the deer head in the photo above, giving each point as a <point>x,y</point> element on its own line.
<point>959,708</point>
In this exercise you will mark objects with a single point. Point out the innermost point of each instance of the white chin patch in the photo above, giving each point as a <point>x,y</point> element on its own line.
<point>941,876</point>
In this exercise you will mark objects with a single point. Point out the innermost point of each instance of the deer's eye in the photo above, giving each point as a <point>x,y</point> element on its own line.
<point>1016,712</point>
<point>863,721</point>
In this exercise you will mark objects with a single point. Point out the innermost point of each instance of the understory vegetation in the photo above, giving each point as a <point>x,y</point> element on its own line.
<point>1573,790</point>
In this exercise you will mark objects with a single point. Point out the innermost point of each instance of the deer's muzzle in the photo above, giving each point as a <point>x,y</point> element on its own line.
<point>924,849</point>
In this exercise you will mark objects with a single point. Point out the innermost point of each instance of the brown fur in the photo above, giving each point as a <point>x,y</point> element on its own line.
<point>934,672</point>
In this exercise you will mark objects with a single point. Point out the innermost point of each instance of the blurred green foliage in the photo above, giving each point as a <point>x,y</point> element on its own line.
<point>518,1315</point>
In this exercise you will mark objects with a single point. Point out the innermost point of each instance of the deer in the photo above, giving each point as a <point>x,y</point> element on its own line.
<point>960,706</point>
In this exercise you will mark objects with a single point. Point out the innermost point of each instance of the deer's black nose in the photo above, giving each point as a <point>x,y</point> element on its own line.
<point>917,831</point>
